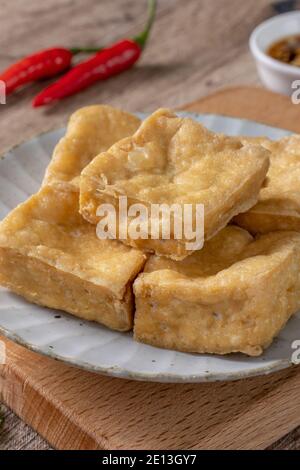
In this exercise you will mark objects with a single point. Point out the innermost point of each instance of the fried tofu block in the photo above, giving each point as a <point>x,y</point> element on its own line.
<point>174,160</point>
<point>91,130</point>
<point>278,206</point>
<point>234,295</point>
<point>52,257</point>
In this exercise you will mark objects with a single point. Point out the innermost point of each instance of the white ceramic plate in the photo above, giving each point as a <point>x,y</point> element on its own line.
<point>95,348</point>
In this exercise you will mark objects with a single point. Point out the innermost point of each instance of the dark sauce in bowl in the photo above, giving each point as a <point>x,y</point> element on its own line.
<point>286,50</point>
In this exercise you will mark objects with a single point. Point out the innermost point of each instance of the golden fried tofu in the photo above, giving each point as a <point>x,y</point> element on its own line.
<point>172,160</point>
<point>234,295</point>
<point>278,206</point>
<point>50,255</point>
<point>91,130</point>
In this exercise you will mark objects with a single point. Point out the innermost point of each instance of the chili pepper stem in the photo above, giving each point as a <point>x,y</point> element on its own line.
<point>142,38</point>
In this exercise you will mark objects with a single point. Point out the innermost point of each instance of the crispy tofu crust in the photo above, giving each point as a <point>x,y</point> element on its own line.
<point>91,130</point>
<point>234,295</point>
<point>278,207</point>
<point>50,255</point>
<point>176,160</point>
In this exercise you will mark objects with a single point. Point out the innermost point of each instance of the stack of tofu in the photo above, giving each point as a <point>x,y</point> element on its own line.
<point>234,294</point>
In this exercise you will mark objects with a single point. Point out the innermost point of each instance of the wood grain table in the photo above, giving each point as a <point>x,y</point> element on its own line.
<point>196,47</point>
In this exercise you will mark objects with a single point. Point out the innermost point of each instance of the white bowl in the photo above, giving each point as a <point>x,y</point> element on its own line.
<point>275,75</point>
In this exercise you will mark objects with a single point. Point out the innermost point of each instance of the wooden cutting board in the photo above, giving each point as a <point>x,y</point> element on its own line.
<point>74,409</point>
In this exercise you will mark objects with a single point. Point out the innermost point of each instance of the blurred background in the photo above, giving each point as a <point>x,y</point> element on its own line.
<point>195,47</point>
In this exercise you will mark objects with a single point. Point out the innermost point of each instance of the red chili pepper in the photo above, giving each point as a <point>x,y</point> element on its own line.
<point>106,63</point>
<point>43,64</point>
<point>109,62</point>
